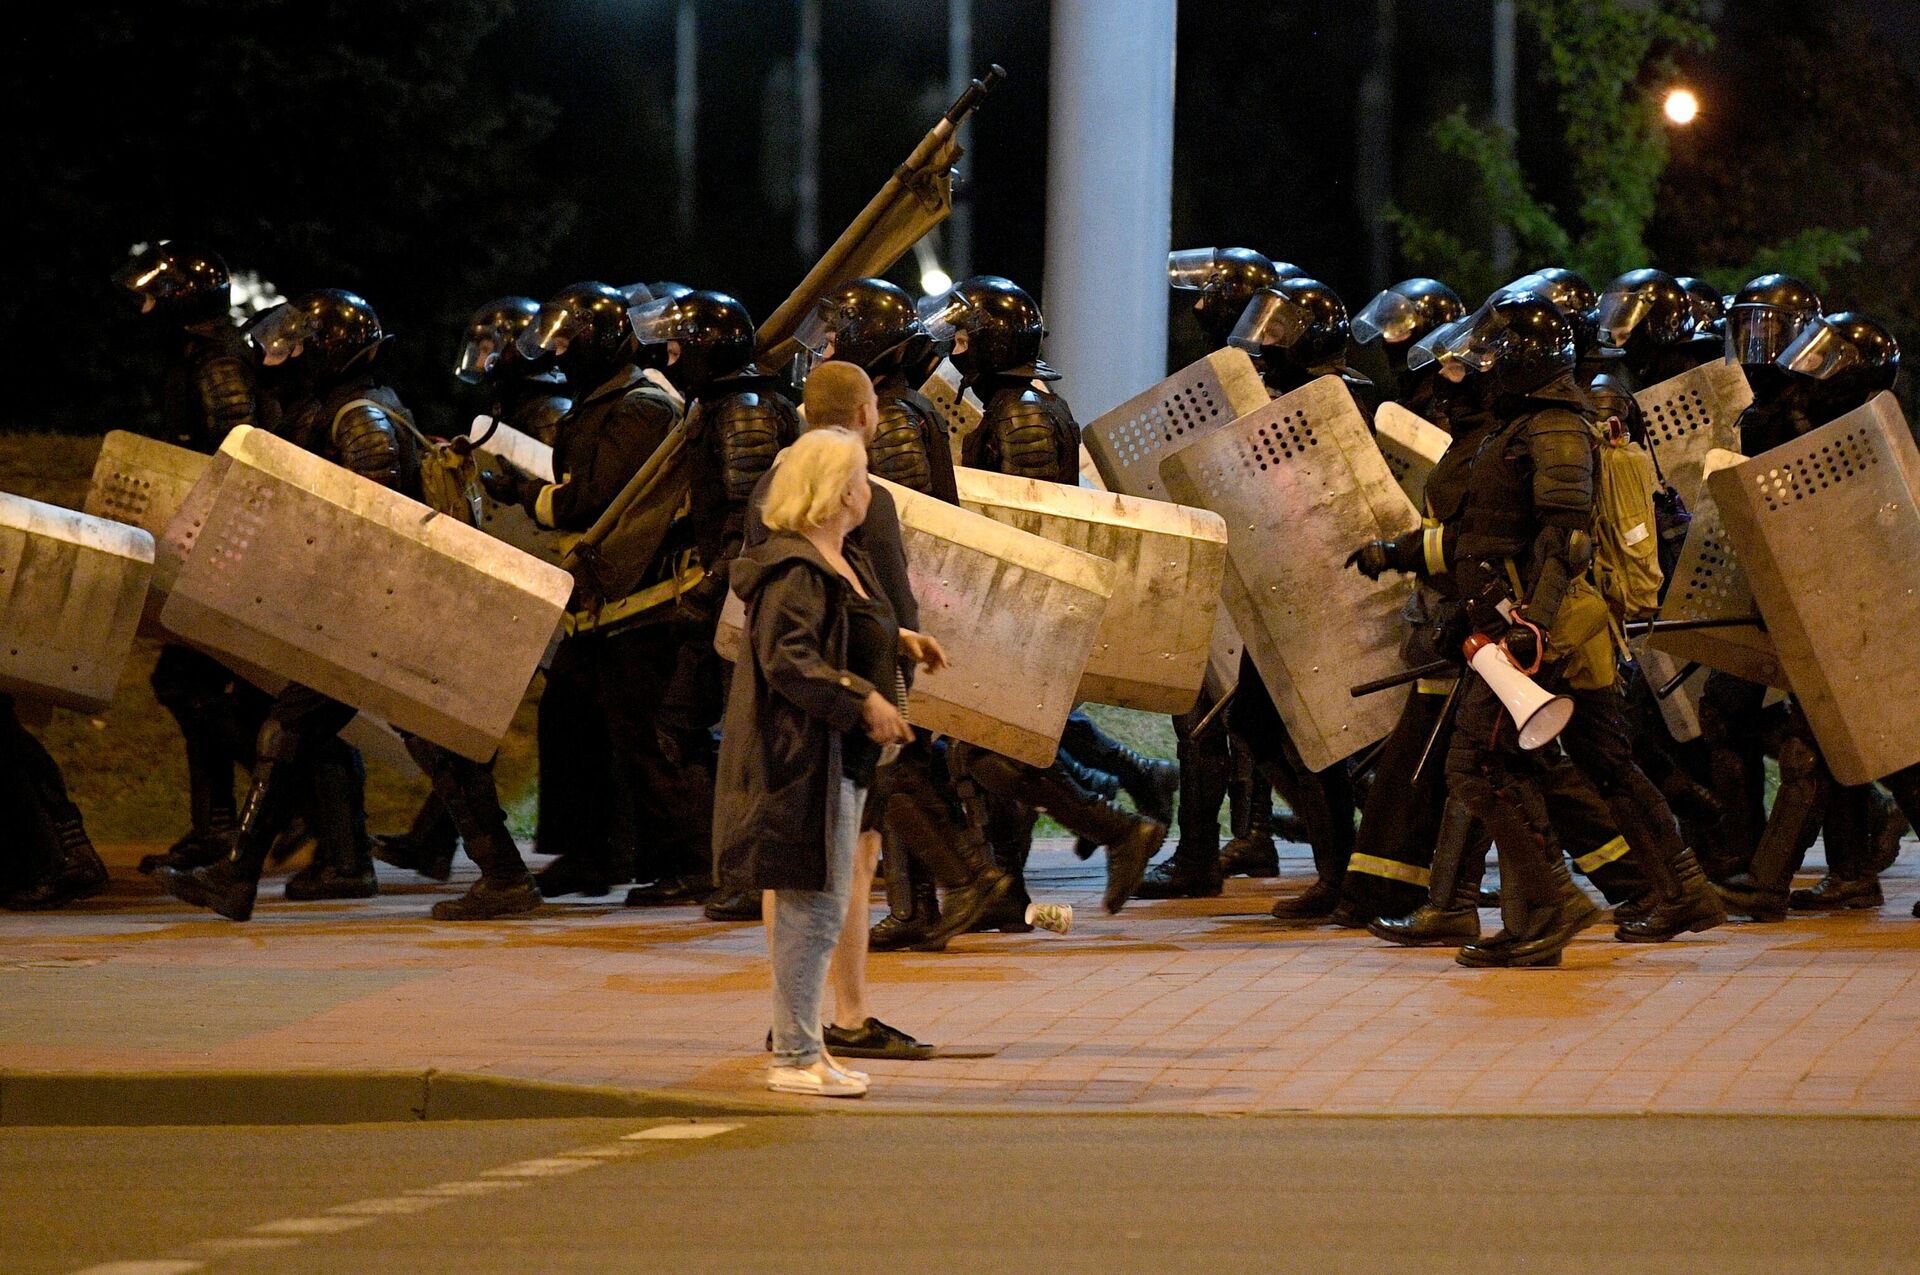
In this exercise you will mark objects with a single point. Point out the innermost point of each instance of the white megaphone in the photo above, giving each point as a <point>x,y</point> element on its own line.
<point>1541,716</point>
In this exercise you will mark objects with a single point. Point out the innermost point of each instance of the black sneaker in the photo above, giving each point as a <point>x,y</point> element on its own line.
<point>873,1039</point>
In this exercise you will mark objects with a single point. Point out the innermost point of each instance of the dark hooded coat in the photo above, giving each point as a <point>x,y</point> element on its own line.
<point>791,700</point>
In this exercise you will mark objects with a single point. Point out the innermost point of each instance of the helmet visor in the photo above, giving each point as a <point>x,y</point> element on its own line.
<point>1820,352</point>
<point>1389,317</point>
<point>665,319</point>
<point>1475,342</point>
<point>1426,351</point>
<point>1191,269</point>
<point>548,335</point>
<point>944,316</point>
<point>1271,318</point>
<point>1757,334</point>
<point>278,334</point>
<point>815,334</point>
<point>1620,313</point>
<point>477,353</point>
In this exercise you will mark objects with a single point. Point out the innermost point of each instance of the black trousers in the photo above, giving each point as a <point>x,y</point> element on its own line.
<point>1323,798</point>
<point>1388,872</point>
<point>31,790</point>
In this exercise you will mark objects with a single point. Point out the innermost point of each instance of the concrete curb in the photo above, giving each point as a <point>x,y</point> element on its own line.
<point>332,1097</point>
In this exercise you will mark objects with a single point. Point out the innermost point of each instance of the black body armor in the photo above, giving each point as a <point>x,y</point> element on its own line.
<point>604,439</point>
<point>910,445</point>
<point>1025,431</point>
<point>209,390</point>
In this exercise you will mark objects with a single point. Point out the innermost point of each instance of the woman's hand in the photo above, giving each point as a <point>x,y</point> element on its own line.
<point>882,721</point>
<point>923,649</point>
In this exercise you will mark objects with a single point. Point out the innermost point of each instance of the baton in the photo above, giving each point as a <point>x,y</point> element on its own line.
<point>1433,736</point>
<point>1640,628</point>
<point>1200,727</point>
<point>1435,669</point>
<point>1666,691</point>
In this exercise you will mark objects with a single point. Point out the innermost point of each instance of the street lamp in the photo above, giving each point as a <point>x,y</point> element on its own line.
<point>1681,106</point>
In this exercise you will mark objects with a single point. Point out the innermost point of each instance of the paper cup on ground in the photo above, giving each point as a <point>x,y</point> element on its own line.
<point>1057,917</point>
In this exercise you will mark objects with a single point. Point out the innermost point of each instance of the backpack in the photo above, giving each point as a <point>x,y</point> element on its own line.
<point>1626,541</point>
<point>449,475</point>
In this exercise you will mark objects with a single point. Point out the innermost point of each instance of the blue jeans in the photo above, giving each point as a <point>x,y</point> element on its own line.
<point>806,925</point>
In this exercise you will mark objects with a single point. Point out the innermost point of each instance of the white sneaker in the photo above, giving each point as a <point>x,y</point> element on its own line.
<point>818,1081</point>
<point>842,1068</point>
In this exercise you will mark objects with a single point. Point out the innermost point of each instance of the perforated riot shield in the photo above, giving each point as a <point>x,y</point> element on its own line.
<point>1151,652</point>
<point>71,590</point>
<point>1828,528</point>
<point>143,482</point>
<point>1301,485</point>
<point>1412,446</point>
<point>320,576</point>
<point>1018,616</point>
<point>1680,709</point>
<point>958,408</point>
<point>1693,413</point>
<point>1708,584</point>
<point>1128,443</point>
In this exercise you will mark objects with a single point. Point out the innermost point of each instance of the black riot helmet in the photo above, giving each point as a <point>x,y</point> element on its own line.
<point>868,322</point>
<point>713,333</point>
<point>995,321</point>
<point>180,283</point>
<point>582,329</point>
<point>1298,325</point>
<point>491,334</point>
<point>1612,399</point>
<point>1570,292</point>
<point>1766,315</point>
<point>1519,342</point>
<point>321,336</point>
<point>1709,307</point>
<point>1226,279</point>
<point>1643,309</point>
<point>1847,357</point>
<point>1406,312</point>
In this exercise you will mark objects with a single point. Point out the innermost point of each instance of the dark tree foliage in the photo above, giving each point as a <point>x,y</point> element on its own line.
<point>1810,119</point>
<point>326,143</point>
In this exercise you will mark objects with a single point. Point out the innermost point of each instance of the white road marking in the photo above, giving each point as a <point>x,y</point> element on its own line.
<point>393,1206</point>
<point>550,1167</point>
<point>310,1225</point>
<point>459,1190</point>
<point>246,1244</point>
<point>142,1268</point>
<point>678,1131</point>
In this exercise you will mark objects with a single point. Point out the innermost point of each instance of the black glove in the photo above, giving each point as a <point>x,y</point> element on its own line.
<point>508,484</point>
<point>1523,644</point>
<point>1370,559</point>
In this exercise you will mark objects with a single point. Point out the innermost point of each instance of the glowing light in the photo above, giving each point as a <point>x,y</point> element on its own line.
<point>1682,106</point>
<point>934,281</point>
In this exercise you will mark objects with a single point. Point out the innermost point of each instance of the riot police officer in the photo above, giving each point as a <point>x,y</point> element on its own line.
<point>49,860</point>
<point>185,295</point>
<point>1028,431</point>
<point>326,345</point>
<point>1835,364</point>
<point>1527,517</point>
<point>1388,326</point>
<point>875,325</point>
<point>1225,279</point>
<point>600,764</point>
<point>1649,317</point>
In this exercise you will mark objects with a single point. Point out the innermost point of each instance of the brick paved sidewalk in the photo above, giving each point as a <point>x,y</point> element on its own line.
<point>1195,1006</point>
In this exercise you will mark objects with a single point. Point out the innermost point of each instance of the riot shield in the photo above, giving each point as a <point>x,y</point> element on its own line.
<point>1693,413</point>
<point>143,482</point>
<point>1709,584</point>
<point>1128,442</point>
<point>313,573</point>
<point>71,591</point>
<point>958,408</point>
<point>1018,616</point>
<point>1151,652</point>
<point>511,523</point>
<point>1679,711</point>
<point>1301,485</point>
<point>1412,446</point>
<point>1828,529</point>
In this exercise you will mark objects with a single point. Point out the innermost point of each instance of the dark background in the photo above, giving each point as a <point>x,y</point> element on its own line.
<point>434,153</point>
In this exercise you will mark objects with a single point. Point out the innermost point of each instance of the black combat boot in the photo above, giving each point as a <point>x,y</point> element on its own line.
<point>1103,784</point>
<point>342,866</point>
<point>1681,898</point>
<point>1451,914</point>
<point>1131,840</point>
<point>1253,853</point>
<point>1150,782</point>
<point>913,905</point>
<point>210,807</point>
<point>505,887</point>
<point>73,872</point>
<point>1194,871</point>
<point>230,885</point>
<point>741,906</point>
<point>427,847</point>
<point>1540,906</point>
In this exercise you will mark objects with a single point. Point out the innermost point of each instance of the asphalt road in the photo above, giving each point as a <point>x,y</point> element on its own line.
<point>1705,1196</point>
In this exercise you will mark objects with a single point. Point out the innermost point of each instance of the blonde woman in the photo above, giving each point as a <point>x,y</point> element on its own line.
<point>805,722</point>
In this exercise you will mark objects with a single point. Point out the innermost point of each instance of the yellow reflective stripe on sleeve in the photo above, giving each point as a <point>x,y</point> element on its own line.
<point>543,505</point>
<point>1608,853</point>
<point>634,603</point>
<point>1436,685</point>
<point>1392,869</point>
<point>1433,545</point>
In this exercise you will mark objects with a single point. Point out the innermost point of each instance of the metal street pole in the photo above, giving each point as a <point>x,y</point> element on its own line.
<point>1109,197</point>
<point>1504,35</point>
<point>959,75</point>
<point>1373,184</point>
<point>686,112</point>
<point>806,85</point>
